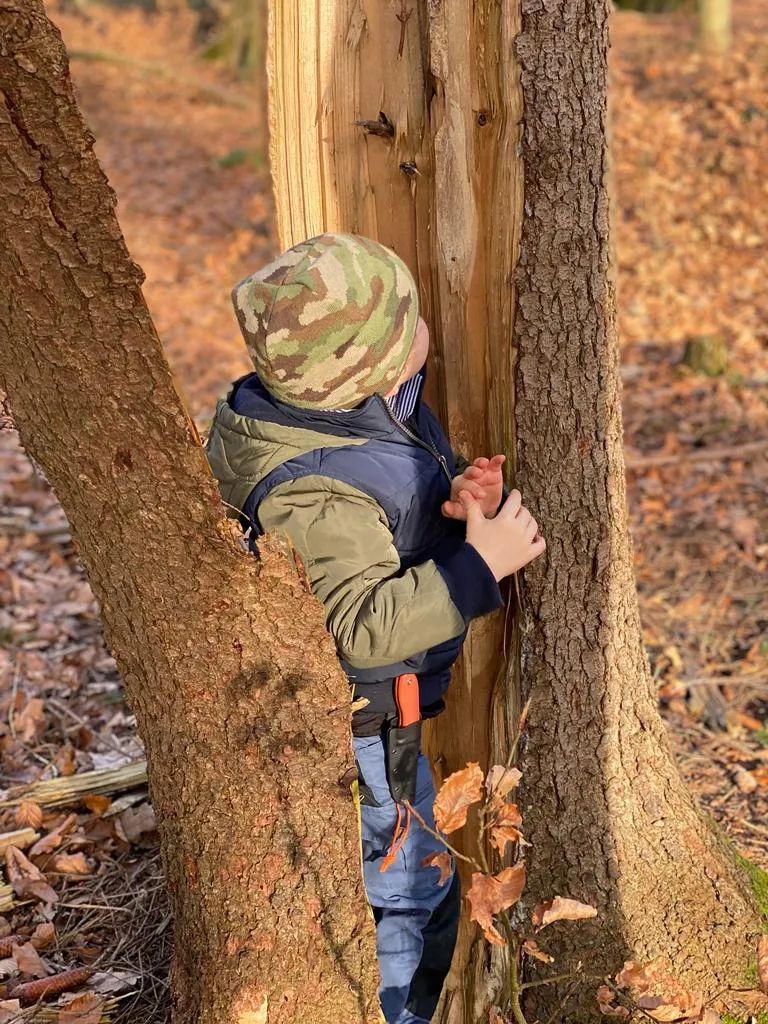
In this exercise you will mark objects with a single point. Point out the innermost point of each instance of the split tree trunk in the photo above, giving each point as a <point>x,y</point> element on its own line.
<point>235,684</point>
<point>715,27</point>
<point>605,808</point>
<point>434,171</point>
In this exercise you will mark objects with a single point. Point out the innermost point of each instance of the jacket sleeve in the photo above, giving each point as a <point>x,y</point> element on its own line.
<point>376,613</point>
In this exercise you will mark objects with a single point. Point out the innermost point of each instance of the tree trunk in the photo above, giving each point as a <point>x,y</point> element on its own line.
<point>400,121</point>
<point>715,26</point>
<point>607,813</point>
<point>235,684</point>
<point>434,171</point>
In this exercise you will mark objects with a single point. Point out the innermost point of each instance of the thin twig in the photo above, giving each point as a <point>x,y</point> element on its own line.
<point>442,839</point>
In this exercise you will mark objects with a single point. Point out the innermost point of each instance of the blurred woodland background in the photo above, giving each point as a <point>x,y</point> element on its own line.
<point>175,98</point>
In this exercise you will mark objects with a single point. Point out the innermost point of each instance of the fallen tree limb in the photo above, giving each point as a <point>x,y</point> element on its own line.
<point>21,838</point>
<point>71,788</point>
<point>735,451</point>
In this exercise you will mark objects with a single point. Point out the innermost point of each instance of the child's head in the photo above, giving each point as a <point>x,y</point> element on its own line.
<point>332,321</point>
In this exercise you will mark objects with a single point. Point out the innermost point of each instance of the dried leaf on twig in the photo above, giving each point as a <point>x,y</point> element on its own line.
<point>440,859</point>
<point>501,780</point>
<point>457,794</point>
<point>488,895</point>
<point>532,948</point>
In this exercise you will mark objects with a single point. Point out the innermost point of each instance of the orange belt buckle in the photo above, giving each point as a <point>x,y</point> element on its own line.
<point>407,699</point>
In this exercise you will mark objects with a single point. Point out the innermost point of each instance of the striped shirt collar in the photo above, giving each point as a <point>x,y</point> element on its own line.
<point>403,403</point>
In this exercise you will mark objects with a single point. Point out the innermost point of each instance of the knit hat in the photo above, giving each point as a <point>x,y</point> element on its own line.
<point>329,322</point>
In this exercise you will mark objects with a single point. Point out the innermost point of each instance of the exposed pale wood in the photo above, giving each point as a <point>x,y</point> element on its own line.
<point>21,838</point>
<point>715,26</point>
<point>70,789</point>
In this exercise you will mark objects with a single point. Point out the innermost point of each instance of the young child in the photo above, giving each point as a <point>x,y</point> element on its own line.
<point>330,443</point>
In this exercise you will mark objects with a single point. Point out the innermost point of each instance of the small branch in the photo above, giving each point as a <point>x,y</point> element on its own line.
<point>735,451</point>
<point>402,17</point>
<point>442,839</point>
<point>572,976</point>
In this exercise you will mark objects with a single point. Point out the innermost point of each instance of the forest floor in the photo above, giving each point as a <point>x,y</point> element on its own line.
<point>180,145</point>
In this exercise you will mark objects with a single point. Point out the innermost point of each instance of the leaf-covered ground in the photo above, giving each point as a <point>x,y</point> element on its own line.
<point>180,143</point>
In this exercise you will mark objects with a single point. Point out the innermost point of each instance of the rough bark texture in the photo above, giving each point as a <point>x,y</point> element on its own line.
<point>715,27</point>
<point>438,179</point>
<point>234,681</point>
<point>604,806</point>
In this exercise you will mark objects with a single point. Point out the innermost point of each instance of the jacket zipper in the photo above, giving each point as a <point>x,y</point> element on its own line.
<point>417,440</point>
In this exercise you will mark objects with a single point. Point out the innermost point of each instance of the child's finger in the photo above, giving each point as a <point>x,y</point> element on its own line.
<point>471,507</point>
<point>538,547</point>
<point>481,463</point>
<point>454,510</point>
<point>474,489</point>
<point>512,505</point>
<point>497,461</point>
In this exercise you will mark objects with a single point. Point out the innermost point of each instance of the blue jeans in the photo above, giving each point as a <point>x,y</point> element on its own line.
<point>416,919</point>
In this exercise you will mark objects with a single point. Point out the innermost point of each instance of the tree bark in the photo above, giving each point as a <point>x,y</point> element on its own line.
<point>605,808</point>
<point>438,177</point>
<point>235,684</point>
<point>715,26</point>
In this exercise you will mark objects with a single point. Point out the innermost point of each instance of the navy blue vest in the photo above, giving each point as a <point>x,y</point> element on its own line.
<point>407,469</point>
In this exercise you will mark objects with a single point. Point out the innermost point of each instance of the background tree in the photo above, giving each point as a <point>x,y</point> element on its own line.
<point>407,119</point>
<point>235,684</point>
<point>715,26</point>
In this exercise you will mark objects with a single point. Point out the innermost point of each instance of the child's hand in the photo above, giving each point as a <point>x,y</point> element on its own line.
<point>483,480</point>
<point>505,543</point>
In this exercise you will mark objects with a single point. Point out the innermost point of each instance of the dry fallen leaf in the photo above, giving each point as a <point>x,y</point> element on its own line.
<point>97,803</point>
<point>70,864</point>
<point>561,909</point>
<point>711,1016</point>
<point>43,935</point>
<point>456,796</point>
<point>28,961</point>
<point>135,821</point>
<point>110,983</point>
<point>604,996</point>
<point>10,1011</point>
<point>440,859</point>
<point>488,895</point>
<point>633,975</point>
<point>745,780</point>
<point>29,723</point>
<point>762,963</point>
<point>29,815</point>
<point>84,1009</point>
<point>532,948</point>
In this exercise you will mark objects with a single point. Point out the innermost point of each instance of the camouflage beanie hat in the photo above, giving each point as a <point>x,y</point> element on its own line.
<point>330,322</point>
